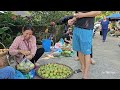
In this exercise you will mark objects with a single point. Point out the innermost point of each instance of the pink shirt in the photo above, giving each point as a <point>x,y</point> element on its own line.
<point>20,44</point>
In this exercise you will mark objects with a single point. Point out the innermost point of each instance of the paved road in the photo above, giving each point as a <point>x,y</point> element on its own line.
<point>106,55</point>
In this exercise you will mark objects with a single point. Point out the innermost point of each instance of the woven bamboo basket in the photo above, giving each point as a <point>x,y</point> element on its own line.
<point>4,55</point>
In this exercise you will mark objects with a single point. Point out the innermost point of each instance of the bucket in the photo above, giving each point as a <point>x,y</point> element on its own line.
<point>46,44</point>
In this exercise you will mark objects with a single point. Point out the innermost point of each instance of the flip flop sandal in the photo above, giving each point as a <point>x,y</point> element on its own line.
<point>77,71</point>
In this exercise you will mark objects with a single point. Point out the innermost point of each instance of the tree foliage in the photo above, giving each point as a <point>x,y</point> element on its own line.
<point>45,17</point>
<point>38,18</point>
<point>105,13</point>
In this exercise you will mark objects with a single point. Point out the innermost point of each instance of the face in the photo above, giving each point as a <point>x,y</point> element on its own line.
<point>27,34</point>
<point>104,17</point>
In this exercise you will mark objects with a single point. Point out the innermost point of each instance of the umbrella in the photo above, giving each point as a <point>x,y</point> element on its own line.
<point>22,13</point>
<point>114,17</point>
<point>64,19</point>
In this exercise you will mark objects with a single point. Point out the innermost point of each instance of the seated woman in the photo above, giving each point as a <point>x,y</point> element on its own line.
<point>6,72</point>
<point>68,38</point>
<point>25,45</point>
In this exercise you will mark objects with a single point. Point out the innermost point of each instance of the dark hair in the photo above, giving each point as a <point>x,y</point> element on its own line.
<point>65,31</point>
<point>27,27</point>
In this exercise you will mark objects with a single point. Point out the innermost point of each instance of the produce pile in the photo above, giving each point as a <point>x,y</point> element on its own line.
<point>66,47</point>
<point>67,53</point>
<point>25,66</point>
<point>54,71</point>
<point>65,50</point>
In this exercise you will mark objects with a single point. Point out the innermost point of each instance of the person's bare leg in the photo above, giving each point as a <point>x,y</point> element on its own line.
<point>87,66</point>
<point>82,61</point>
<point>77,58</point>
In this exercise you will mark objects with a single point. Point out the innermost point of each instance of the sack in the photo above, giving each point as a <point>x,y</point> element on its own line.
<point>25,66</point>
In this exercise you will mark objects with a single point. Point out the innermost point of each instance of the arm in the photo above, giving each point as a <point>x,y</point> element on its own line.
<point>67,40</point>
<point>87,14</point>
<point>13,48</point>
<point>82,15</point>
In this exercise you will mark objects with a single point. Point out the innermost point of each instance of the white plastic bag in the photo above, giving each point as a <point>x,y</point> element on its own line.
<point>58,45</point>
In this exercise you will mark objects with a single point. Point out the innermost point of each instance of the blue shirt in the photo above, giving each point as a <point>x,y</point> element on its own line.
<point>104,24</point>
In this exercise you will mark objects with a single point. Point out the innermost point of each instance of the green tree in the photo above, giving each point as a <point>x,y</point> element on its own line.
<point>45,17</point>
<point>105,13</point>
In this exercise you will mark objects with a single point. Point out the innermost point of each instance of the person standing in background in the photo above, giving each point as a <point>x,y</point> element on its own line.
<point>104,25</point>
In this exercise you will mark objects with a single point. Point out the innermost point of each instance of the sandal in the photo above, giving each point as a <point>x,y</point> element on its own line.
<point>77,71</point>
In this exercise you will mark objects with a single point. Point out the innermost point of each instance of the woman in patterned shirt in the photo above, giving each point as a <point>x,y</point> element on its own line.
<point>25,45</point>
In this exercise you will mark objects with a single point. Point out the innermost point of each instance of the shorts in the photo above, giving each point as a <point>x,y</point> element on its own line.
<point>82,40</point>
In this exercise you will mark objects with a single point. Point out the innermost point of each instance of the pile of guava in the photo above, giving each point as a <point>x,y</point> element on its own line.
<point>54,71</point>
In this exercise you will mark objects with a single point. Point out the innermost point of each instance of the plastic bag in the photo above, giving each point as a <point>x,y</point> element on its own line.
<point>67,53</point>
<point>62,41</point>
<point>25,66</point>
<point>30,75</point>
<point>18,75</point>
<point>58,45</point>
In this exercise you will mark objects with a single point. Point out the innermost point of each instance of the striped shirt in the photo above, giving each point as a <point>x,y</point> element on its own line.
<point>20,44</point>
